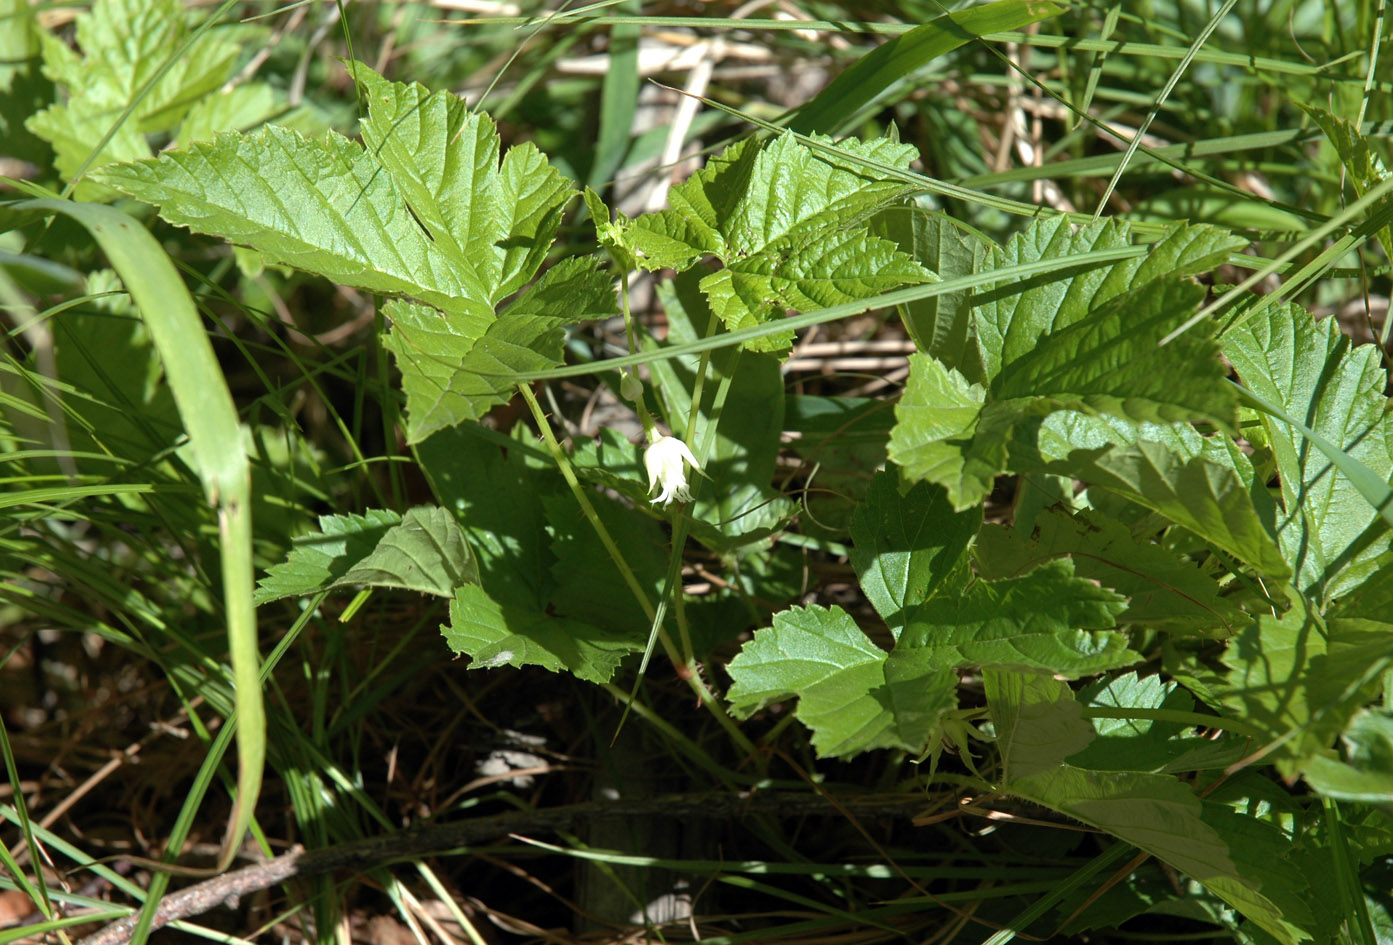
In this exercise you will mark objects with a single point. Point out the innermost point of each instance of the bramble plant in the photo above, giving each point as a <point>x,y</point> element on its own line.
<point>1194,581</point>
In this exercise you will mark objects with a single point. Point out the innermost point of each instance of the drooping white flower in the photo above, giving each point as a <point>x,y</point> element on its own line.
<point>666,460</point>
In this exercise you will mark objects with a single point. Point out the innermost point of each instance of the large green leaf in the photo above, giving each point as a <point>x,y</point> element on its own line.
<point>789,223</point>
<point>1204,484</point>
<point>450,374</point>
<point>496,497</point>
<point>497,221</point>
<point>1162,588</point>
<point>125,44</point>
<point>1299,678</point>
<point>906,546</point>
<point>1047,619</point>
<point>1087,341</point>
<point>1329,533</point>
<point>423,550</point>
<point>1039,725</point>
<point>1013,320</point>
<point>848,693</point>
<point>505,635</point>
<point>323,206</point>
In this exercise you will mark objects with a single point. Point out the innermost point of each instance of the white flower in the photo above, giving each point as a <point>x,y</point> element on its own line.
<point>666,460</point>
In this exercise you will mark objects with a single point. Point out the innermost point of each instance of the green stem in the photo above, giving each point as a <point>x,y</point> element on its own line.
<point>569,474</point>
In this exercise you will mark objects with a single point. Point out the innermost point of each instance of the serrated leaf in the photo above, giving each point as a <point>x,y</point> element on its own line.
<point>1204,484</point>
<point>423,550</point>
<point>497,635</point>
<point>1162,588</point>
<point>1300,678</point>
<point>1048,620</point>
<point>450,375</point>
<point>1039,724</point>
<point>937,414</point>
<point>1363,165</point>
<point>1011,320</point>
<point>1087,341</point>
<point>124,44</point>
<point>322,206</point>
<point>848,694</point>
<point>235,109</point>
<point>496,220</point>
<point>1111,361</point>
<point>940,325</point>
<point>1330,534</point>
<point>788,221</point>
<point>907,545</point>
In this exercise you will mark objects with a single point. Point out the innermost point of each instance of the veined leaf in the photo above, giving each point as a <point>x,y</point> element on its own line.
<point>497,221</point>
<point>423,550</point>
<point>322,206</point>
<point>124,44</point>
<point>1204,484</point>
<point>1047,619</point>
<point>1329,533</point>
<point>906,546</point>
<point>789,223</point>
<point>1039,724</point>
<point>450,375</point>
<point>1162,589</point>
<point>848,693</point>
<point>1084,342</point>
<point>505,635</point>
<point>425,211</point>
<point>1012,321</point>
<point>1300,678</point>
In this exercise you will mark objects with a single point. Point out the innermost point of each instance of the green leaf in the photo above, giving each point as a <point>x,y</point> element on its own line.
<point>1363,165</point>
<point>882,69</point>
<point>1085,342</point>
<point>587,583</point>
<point>450,374</point>
<point>849,694</point>
<point>502,635</point>
<point>1300,678</point>
<point>906,546</point>
<point>1047,619</point>
<point>495,221</point>
<point>423,550</point>
<point>1330,533</point>
<point>940,325</point>
<point>125,43</point>
<point>1039,724</point>
<point>1143,744</point>
<point>235,109</point>
<point>938,417</point>
<point>1204,484</point>
<point>1162,588</point>
<point>788,222</point>
<point>1013,320</point>
<point>1366,775</point>
<point>496,498</point>
<point>323,206</point>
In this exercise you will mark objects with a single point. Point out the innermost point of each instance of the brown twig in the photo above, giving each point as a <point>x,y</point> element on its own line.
<point>435,838</point>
